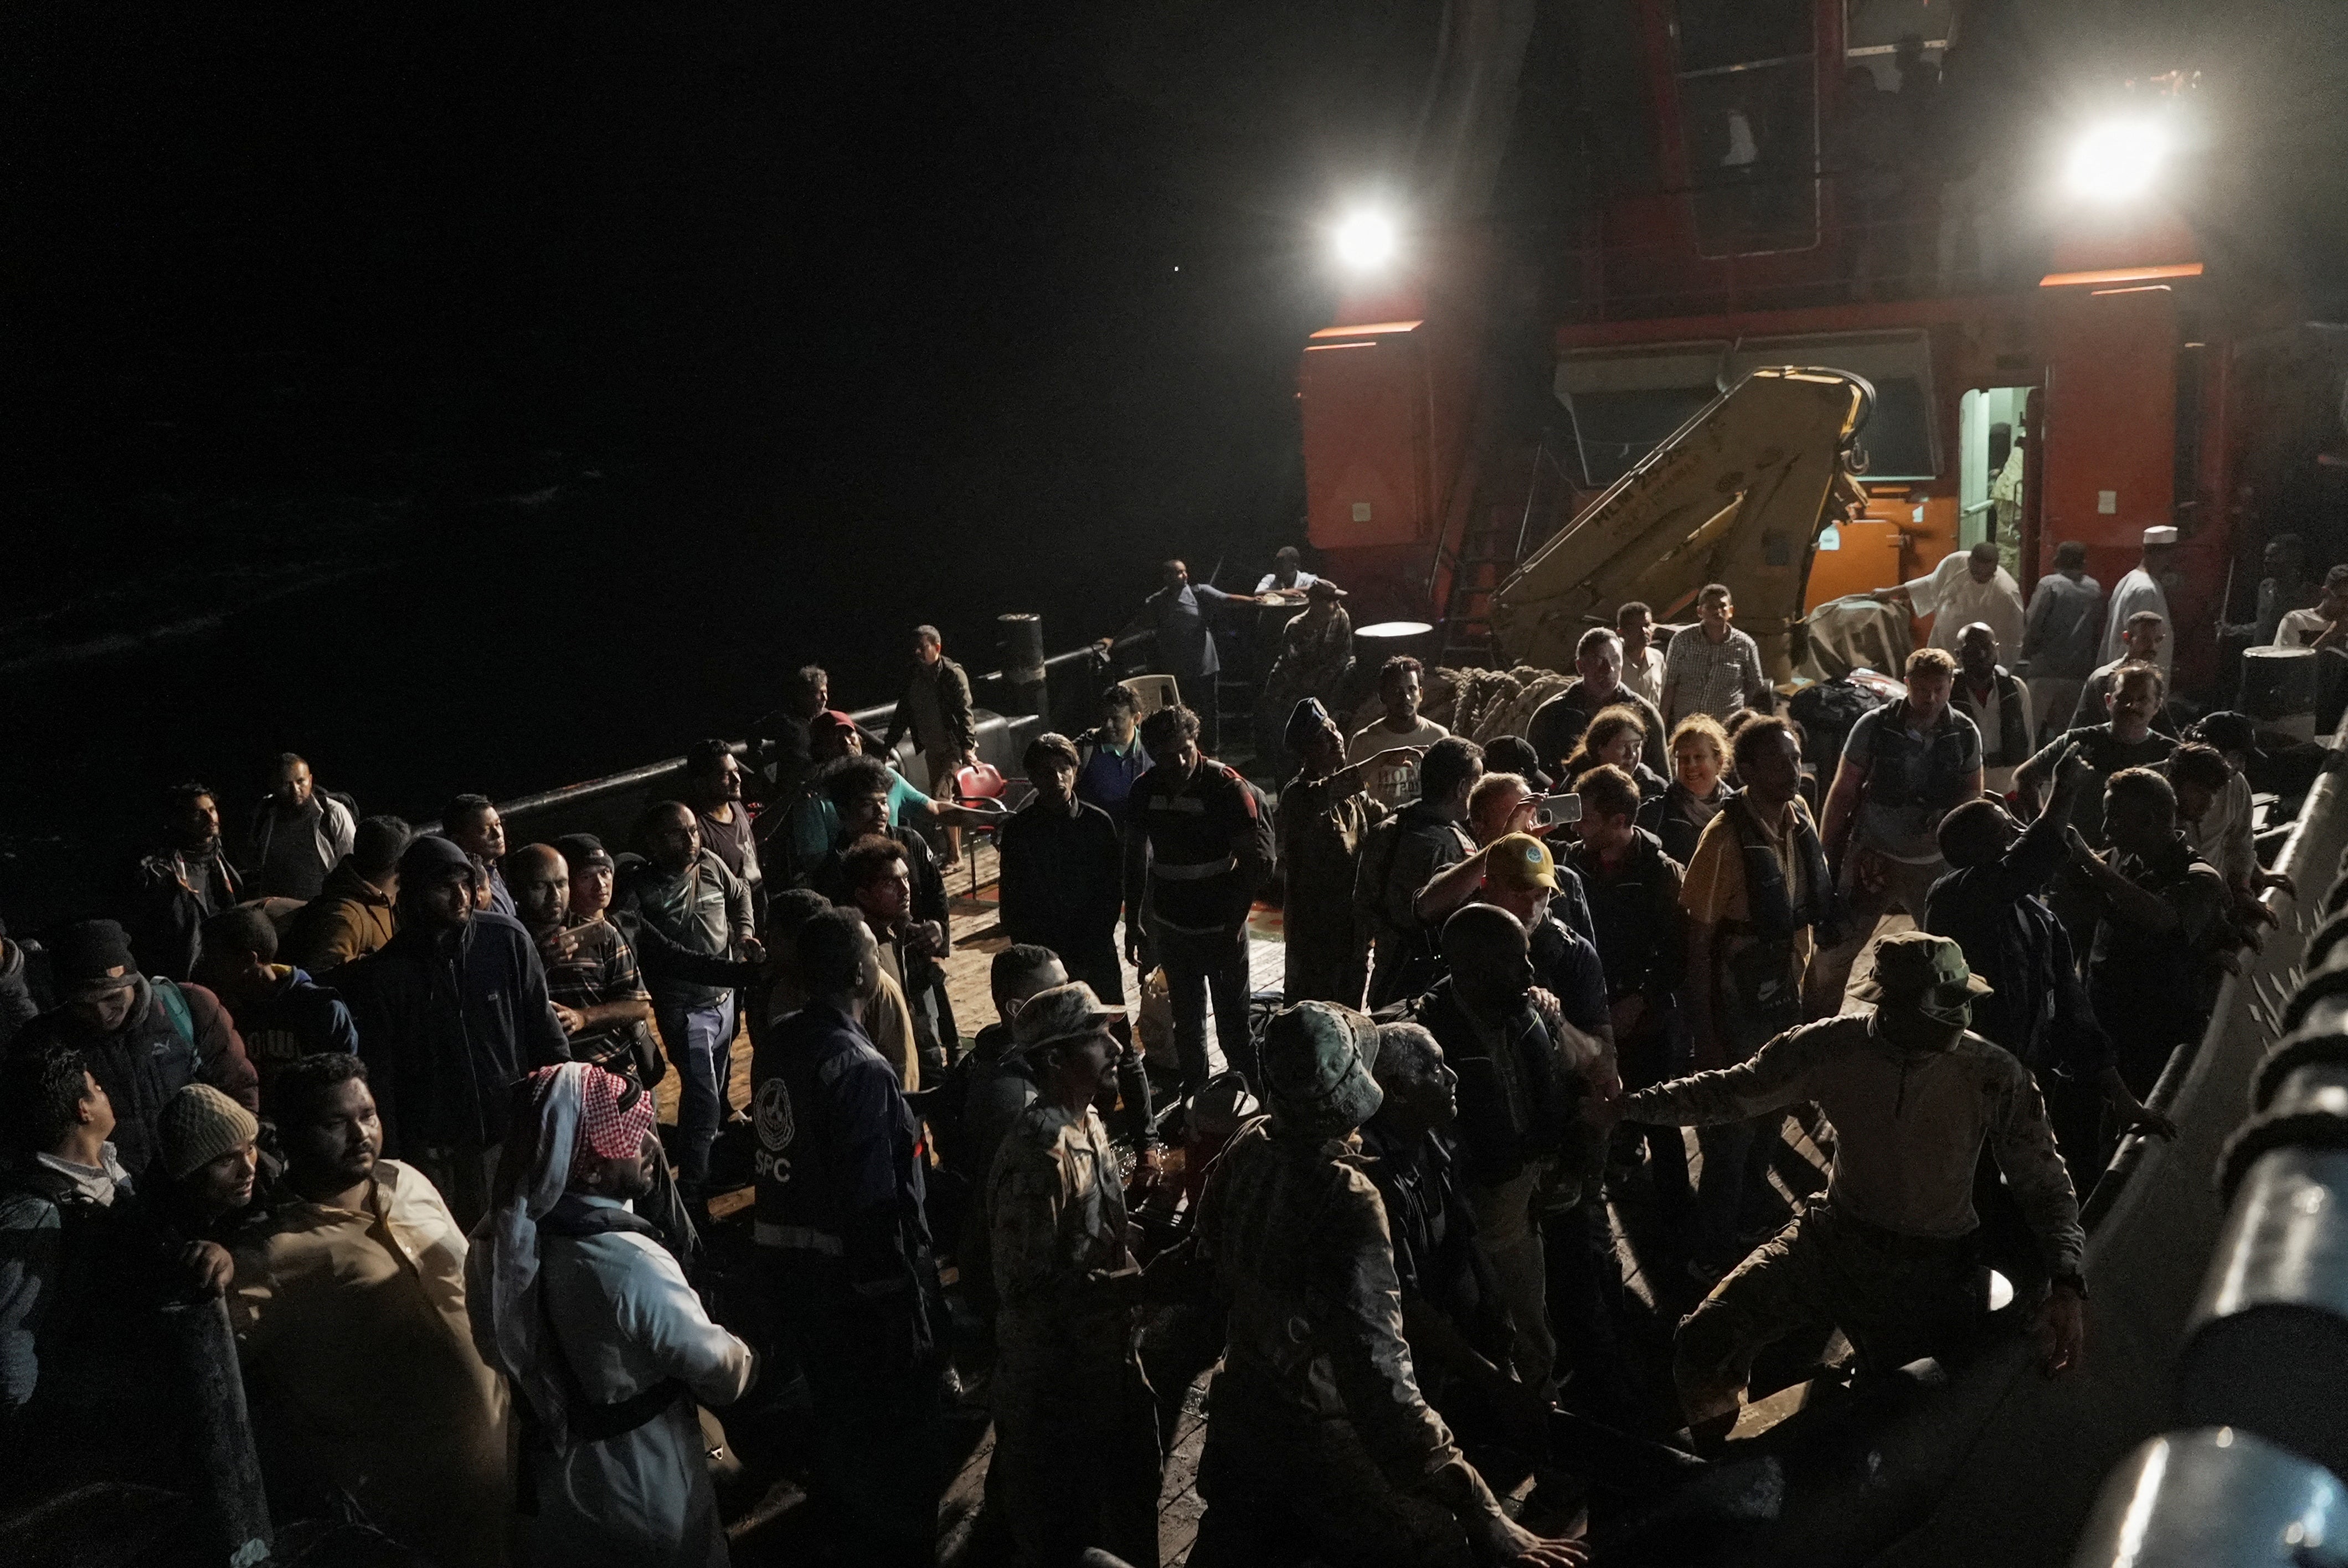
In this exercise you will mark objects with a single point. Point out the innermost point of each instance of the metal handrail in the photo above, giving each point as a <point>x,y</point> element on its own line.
<point>2235,992</point>
<point>879,714</point>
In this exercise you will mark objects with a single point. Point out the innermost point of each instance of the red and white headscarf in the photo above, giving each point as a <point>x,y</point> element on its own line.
<point>571,1107</point>
<point>615,1114</point>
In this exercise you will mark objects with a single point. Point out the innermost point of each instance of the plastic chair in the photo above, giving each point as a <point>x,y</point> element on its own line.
<point>974,784</point>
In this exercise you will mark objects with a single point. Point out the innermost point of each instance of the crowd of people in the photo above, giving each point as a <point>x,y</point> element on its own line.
<point>391,1094</point>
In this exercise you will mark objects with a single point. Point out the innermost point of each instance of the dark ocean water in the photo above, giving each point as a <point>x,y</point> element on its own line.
<point>503,644</point>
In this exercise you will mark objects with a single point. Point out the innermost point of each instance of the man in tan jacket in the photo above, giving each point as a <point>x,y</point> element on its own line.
<point>352,915</point>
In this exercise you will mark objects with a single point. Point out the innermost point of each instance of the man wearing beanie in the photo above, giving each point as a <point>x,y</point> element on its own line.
<point>1319,1435</point>
<point>207,1164</point>
<point>280,1013</point>
<point>352,915</point>
<point>144,1039</point>
<point>451,1014</point>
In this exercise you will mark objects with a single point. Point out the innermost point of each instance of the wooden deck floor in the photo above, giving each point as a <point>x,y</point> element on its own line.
<point>1656,1292</point>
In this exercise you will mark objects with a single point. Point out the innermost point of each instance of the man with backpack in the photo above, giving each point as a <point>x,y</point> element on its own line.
<point>1758,899</point>
<point>1904,767</point>
<point>143,1038</point>
<point>1418,866</point>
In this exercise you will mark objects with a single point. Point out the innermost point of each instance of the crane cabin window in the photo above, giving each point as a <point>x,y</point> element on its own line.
<point>1748,111</point>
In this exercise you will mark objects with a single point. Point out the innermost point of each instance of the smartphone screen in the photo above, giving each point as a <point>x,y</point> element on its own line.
<point>1556,810</point>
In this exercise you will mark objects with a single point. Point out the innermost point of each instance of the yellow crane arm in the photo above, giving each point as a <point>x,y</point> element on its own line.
<point>1737,495</point>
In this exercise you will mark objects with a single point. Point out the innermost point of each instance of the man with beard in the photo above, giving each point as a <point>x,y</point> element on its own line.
<point>574,1298</point>
<point>299,834</point>
<point>712,788</point>
<point>684,892</point>
<point>450,1015</point>
<point>174,889</point>
<point>369,1394</point>
<point>591,977</point>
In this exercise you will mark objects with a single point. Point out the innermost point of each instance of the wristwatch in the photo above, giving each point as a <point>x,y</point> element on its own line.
<point>2076,1281</point>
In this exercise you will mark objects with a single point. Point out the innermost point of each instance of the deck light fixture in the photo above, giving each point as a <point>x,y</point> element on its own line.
<point>2117,159</point>
<point>1365,239</point>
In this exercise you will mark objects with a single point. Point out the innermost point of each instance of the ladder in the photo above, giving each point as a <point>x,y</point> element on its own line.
<point>1495,540</point>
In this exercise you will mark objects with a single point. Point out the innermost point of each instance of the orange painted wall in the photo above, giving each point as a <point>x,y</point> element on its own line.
<point>2111,423</point>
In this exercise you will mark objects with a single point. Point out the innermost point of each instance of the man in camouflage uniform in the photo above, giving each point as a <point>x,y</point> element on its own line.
<point>1888,1254</point>
<point>1318,1438</point>
<point>1325,815</point>
<point>1075,1427</point>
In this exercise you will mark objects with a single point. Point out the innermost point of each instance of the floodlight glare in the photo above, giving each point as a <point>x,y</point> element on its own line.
<point>1365,239</point>
<point>2118,160</point>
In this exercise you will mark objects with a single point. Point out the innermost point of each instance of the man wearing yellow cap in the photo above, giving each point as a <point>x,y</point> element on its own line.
<point>1887,1255</point>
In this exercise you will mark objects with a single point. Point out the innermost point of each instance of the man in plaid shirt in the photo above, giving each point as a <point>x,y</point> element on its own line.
<point>591,972</point>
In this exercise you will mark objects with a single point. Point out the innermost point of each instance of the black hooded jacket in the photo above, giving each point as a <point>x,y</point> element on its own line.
<point>448,1021</point>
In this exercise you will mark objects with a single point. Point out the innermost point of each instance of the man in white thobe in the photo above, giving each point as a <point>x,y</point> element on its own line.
<point>2139,591</point>
<point>576,1300</point>
<point>1966,587</point>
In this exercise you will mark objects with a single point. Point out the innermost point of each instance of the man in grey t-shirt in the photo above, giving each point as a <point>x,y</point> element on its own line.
<point>1905,767</point>
<point>2060,635</point>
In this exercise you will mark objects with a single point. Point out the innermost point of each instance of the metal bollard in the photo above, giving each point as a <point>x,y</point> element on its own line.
<point>1022,640</point>
<point>235,1509</point>
<point>2215,1498</point>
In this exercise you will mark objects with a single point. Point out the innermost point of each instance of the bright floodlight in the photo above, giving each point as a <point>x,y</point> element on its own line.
<point>1365,239</point>
<point>2118,160</point>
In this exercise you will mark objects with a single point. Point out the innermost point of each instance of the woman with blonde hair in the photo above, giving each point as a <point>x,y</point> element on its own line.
<point>1699,752</point>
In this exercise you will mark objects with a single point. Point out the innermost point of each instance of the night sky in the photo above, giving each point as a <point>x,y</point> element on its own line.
<point>489,397</point>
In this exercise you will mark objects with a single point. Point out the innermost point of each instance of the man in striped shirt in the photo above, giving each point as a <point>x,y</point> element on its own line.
<point>1195,854</point>
<point>1712,667</point>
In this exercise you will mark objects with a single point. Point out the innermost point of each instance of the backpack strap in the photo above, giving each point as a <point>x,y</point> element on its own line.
<point>175,1004</point>
<point>588,1420</point>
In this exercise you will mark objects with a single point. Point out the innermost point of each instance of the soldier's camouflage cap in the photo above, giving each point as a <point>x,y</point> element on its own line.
<point>1062,1013</point>
<point>1316,1068</point>
<point>1917,969</point>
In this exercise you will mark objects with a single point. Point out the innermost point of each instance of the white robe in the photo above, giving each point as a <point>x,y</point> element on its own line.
<point>627,1320</point>
<point>2139,591</point>
<point>1949,594</point>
